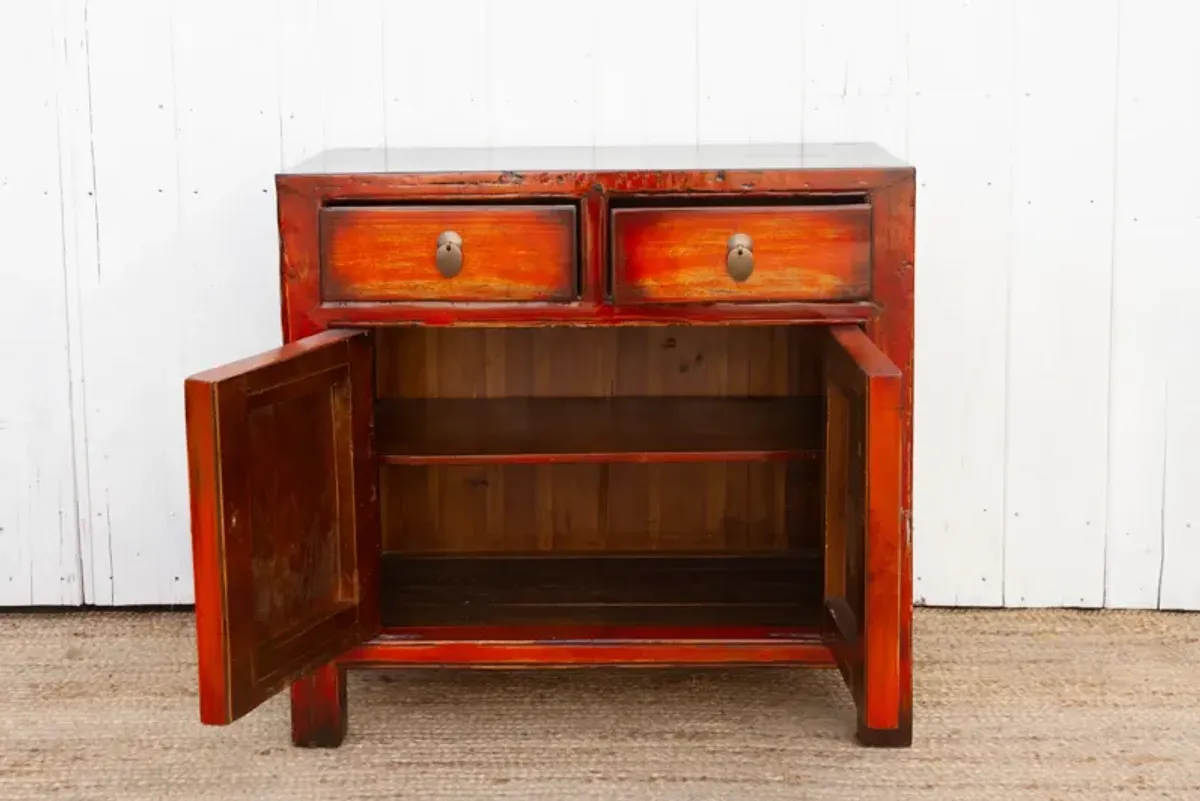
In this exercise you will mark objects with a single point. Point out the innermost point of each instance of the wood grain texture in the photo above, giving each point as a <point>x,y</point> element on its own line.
<point>318,703</point>
<point>677,255</point>
<point>531,462</point>
<point>539,314</point>
<point>893,285</point>
<point>600,506</point>
<point>211,606</point>
<point>563,647</point>
<point>608,430</point>
<point>865,528</point>
<point>845,638</point>
<point>572,508</point>
<point>302,196</point>
<point>741,588</point>
<point>285,532</point>
<point>846,518</point>
<point>387,253</point>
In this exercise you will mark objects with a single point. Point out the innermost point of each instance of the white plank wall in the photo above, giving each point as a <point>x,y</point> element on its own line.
<point>1154,433</point>
<point>1060,269</point>
<point>39,543</point>
<point>1058,337</point>
<point>960,118</point>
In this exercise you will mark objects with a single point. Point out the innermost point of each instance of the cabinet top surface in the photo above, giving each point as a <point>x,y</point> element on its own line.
<point>796,156</point>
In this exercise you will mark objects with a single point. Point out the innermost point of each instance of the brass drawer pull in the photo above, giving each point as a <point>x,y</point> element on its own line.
<point>739,257</point>
<point>449,254</point>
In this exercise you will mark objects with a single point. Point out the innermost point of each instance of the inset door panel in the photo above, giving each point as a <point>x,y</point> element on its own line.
<point>284,516</point>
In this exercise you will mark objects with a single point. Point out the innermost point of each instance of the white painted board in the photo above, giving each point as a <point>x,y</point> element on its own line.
<point>1059,309</point>
<point>1056,448</point>
<point>39,546</point>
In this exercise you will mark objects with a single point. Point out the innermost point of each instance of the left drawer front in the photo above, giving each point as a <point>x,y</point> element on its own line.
<point>502,253</point>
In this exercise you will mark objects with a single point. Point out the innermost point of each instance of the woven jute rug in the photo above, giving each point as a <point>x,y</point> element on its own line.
<point>1010,705</point>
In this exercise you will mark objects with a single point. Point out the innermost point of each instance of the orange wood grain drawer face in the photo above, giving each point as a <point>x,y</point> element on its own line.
<point>800,253</point>
<point>389,253</point>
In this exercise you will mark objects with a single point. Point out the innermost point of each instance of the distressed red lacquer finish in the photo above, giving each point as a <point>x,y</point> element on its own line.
<point>500,253</point>
<point>285,530</point>
<point>319,708</point>
<point>867,552</point>
<point>302,196</point>
<point>893,210</point>
<point>588,433</point>
<point>583,646</point>
<point>678,255</point>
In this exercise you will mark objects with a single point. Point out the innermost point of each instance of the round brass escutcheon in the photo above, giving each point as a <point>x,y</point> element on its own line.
<point>739,257</point>
<point>449,255</point>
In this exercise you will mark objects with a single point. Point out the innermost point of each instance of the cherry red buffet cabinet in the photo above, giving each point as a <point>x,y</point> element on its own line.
<point>566,407</point>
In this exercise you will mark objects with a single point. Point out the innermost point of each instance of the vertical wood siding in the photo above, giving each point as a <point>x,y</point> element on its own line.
<point>1058,339</point>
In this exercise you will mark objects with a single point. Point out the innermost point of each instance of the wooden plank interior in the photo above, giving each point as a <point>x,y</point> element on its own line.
<point>707,506</point>
<point>618,361</point>
<point>613,590</point>
<point>719,505</point>
<point>564,430</point>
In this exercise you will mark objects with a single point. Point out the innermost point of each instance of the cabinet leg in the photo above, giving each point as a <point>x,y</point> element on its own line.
<point>900,737</point>
<point>319,708</point>
<point>885,700</point>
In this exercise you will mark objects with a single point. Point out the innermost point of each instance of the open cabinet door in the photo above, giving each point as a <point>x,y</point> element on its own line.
<point>866,550</point>
<point>285,523</point>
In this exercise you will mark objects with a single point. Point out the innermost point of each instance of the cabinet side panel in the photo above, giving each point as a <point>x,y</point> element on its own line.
<point>299,257</point>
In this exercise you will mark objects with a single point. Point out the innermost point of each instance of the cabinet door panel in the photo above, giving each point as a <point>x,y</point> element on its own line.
<point>285,525</point>
<point>866,546</point>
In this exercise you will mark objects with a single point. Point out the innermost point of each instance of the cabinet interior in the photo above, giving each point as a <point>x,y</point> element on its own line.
<point>637,476</point>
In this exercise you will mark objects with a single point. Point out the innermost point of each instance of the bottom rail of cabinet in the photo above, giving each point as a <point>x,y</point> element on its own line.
<point>593,646</point>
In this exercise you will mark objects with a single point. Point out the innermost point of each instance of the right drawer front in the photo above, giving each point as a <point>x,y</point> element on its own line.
<point>742,254</point>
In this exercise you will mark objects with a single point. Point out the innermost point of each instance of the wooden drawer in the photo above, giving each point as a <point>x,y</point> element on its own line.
<point>799,253</point>
<point>390,253</point>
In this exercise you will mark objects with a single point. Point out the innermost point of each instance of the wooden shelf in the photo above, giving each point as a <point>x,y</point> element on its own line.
<point>563,430</point>
<point>604,590</point>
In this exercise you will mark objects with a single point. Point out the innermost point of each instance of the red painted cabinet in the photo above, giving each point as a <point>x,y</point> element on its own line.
<point>593,413</point>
